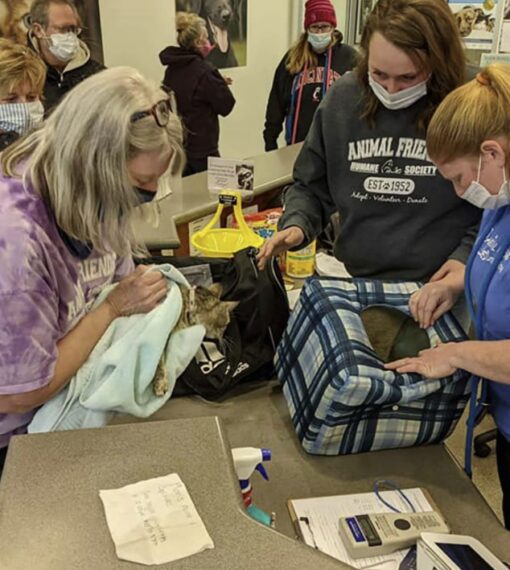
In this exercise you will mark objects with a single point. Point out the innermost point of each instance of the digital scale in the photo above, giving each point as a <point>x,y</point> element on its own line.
<point>372,535</point>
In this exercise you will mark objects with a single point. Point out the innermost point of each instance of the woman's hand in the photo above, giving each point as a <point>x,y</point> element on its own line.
<point>439,295</point>
<point>140,292</point>
<point>279,242</point>
<point>431,363</point>
<point>430,302</point>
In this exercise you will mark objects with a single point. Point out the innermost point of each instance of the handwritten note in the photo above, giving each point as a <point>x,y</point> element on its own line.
<point>154,521</point>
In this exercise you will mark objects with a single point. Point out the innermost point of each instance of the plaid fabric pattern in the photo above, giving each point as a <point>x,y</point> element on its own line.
<point>340,397</point>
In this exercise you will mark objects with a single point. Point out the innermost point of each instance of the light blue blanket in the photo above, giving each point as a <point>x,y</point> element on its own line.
<point>117,377</point>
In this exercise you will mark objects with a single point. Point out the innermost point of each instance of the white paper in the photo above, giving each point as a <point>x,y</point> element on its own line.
<point>328,266</point>
<point>228,174</point>
<point>293,296</point>
<point>154,521</point>
<point>318,520</point>
<point>504,45</point>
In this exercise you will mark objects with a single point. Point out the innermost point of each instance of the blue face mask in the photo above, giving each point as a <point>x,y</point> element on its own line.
<point>319,42</point>
<point>144,196</point>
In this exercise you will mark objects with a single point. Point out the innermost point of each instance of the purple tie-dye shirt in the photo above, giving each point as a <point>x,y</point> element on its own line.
<point>44,292</point>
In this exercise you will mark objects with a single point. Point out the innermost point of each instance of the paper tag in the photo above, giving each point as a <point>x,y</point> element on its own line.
<point>154,521</point>
<point>226,174</point>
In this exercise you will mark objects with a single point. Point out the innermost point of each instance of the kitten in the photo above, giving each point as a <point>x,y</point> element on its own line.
<point>200,306</point>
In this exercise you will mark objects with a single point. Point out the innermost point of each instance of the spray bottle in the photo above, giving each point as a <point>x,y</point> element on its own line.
<point>246,461</point>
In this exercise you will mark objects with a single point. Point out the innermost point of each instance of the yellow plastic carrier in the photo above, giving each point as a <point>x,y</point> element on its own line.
<point>224,242</point>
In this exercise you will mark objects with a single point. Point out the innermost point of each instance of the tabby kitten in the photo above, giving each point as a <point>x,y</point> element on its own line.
<point>200,306</point>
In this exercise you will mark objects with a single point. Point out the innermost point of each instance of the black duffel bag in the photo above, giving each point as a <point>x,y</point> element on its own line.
<point>256,325</point>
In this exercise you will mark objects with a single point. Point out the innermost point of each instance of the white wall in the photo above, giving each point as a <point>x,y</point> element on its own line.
<point>135,31</point>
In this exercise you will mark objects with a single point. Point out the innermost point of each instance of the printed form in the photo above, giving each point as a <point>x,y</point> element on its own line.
<point>317,519</point>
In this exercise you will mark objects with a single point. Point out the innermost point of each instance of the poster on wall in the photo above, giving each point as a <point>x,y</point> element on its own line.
<point>226,22</point>
<point>504,45</point>
<point>14,22</point>
<point>363,9</point>
<point>476,22</point>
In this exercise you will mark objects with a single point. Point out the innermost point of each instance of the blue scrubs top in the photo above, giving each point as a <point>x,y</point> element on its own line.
<point>495,321</point>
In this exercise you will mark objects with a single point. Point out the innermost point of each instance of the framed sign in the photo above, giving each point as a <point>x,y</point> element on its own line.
<point>227,26</point>
<point>476,22</point>
<point>363,9</point>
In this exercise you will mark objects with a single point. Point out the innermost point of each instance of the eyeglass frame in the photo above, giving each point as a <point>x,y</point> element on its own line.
<point>66,30</point>
<point>170,103</point>
<point>320,28</point>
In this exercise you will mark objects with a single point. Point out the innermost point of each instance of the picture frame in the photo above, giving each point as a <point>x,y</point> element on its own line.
<point>362,11</point>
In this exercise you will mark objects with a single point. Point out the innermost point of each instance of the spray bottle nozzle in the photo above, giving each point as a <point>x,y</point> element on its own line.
<point>262,471</point>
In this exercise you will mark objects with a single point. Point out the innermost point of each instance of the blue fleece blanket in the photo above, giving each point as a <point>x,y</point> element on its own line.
<point>117,377</point>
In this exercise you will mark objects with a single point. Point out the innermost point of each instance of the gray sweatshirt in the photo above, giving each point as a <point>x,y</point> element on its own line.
<point>399,219</point>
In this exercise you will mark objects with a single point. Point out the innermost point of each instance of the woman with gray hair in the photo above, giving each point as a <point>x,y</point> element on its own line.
<point>66,193</point>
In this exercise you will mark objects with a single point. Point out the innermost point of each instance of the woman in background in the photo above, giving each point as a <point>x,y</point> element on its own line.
<point>202,93</point>
<point>304,75</point>
<point>22,77</point>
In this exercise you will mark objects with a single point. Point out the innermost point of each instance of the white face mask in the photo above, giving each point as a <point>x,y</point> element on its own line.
<point>20,117</point>
<point>64,46</point>
<point>480,197</point>
<point>401,99</point>
<point>319,42</point>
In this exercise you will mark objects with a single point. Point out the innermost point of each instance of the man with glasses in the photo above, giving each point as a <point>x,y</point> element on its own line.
<point>54,29</point>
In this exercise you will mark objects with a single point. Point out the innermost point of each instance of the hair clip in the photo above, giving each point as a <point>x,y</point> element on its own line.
<point>483,80</point>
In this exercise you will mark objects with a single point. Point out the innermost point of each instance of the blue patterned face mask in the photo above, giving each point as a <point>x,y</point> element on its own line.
<point>20,117</point>
<point>319,42</point>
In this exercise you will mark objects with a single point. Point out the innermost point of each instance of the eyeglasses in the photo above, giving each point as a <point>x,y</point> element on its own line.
<point>319,28</point>
<point>66,29</point>
<point>160,111</point>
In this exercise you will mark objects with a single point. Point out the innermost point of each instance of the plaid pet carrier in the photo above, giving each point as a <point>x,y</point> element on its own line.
<point>340,397</point>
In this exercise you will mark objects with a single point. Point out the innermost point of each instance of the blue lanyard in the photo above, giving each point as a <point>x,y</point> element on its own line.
<point>327,63</point>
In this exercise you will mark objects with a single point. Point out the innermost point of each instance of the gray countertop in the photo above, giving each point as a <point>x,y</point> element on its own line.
<point>193,200</point>
<point>51,516</point>
<point>259,417</point>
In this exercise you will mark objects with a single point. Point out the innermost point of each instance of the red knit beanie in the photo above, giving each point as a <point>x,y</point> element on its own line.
<point>319,11</point>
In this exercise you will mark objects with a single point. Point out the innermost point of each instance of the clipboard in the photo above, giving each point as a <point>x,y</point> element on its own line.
<point>324,535</point>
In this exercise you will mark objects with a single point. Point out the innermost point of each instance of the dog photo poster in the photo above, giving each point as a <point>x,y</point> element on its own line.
<point>226,22</point>
<point>14,23</point>
<point>476,22</point>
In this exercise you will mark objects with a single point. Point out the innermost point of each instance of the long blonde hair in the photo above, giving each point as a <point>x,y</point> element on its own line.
<point>426,31</point>
<point>78,159</point>
<point>473,113</point>
<point>190,28</point>
<point>20,65</point>
<point>301,54</point>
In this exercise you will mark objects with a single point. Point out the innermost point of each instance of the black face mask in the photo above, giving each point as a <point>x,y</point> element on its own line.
<point>77,248</point>
<point>144,196</point>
